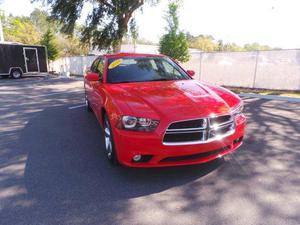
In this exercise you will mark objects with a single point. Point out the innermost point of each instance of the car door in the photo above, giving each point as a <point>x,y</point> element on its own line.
<point>89,84</point>
<point>98,93</point>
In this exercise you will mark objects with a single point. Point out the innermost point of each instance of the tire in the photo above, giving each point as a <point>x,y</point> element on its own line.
<point>109,142</point>
<point>87,105</point>
<point>16,74</point>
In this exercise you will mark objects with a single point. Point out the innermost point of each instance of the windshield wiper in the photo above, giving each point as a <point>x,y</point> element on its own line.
<point>127,81</point>
<point>123,82</point>
<point>162,79</point>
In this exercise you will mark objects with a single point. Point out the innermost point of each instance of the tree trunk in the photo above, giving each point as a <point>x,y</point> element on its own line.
<point>123,27</point>
<point>117,46</point>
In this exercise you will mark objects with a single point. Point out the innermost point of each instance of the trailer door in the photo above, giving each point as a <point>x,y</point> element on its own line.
<point>31,60</point>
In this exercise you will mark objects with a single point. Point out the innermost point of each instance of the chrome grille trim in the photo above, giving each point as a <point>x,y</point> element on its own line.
<point>186,129</point>
<point>205,132</point>
<point>225,123</point>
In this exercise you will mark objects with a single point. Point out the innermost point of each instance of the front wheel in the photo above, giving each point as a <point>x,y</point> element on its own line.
<point>109,142</point>
<point>87,104</point>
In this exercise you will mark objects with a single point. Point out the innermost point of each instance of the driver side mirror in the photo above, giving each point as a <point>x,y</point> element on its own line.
<point>87,70</point>
<point>92,77</point>
<point>191,72</point>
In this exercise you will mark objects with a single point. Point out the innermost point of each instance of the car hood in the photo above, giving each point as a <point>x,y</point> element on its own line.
<point>178,99</point>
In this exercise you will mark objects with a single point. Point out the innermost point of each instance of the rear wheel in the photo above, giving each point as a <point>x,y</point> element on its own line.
<point>109,142</point>
<point>16,73</point>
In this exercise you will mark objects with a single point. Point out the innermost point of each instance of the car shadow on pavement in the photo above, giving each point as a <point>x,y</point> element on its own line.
<point>69,181</point>
<point>66,168</point>
<point>66,158</point>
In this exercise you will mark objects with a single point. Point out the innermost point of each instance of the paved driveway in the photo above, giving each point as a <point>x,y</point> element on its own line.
<point>53,169</point>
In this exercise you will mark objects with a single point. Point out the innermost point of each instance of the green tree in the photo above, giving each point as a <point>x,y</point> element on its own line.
<point>220,46</point>
<point>134,34</point>
<point>205,43</point>
<point>1,29</point>
<point>20,29</point>
<point>66,45</point>
<point>232,47</point>
<point>70,46</point>
<point>174,42</point>
<point>255,46</point>
<point>105,26</point>
<point>40,20</point>
<point>49,42</point>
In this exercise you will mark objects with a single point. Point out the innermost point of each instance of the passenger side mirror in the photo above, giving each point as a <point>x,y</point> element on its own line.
<point>92,77</point>
<point>87,69</point>
<point>191,72</point>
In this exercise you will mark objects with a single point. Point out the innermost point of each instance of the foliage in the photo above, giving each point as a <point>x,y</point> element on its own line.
<point>70,46</point>
<point>21,30</point>
<point>139,40</point>
<point>232,47</point>
<point>39,18</point>
<point>36,28</point>
<point>133,30</point>
<point>1,14</point>
<point>256,46</point>
<point>208,44</point>
<point>49,41</point>
<point>174,42</point>
<point>105,26</point>
<point>204,42</point>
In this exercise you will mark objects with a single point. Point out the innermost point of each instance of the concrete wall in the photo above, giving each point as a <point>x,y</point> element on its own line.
<point>194,63</point>
<point>278,69</point>
<point>261,69</point>
<point>75,65</point>
<point>229,69</point>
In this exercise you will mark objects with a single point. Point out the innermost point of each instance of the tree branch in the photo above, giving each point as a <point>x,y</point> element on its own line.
<point>104,2</point>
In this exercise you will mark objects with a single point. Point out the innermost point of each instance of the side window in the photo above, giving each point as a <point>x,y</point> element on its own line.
<point>170,69</point>
<point>94,66</point>
<point>100,67</point>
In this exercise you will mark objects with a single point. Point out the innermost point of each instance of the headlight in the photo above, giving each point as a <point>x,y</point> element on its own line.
<point>138,123</point>
<point>238,110</point>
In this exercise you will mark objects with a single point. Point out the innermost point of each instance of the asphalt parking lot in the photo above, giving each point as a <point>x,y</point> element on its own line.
<point>53,169</point>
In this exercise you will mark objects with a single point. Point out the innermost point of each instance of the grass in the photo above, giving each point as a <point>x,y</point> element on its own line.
<point>238,90</point>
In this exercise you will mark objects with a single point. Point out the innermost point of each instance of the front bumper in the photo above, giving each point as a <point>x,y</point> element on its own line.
<point>130,143</point>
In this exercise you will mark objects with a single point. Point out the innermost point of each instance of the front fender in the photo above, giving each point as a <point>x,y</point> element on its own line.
<point>114,106</point>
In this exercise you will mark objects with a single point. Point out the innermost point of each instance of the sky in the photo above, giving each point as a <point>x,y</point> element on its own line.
<point>268,22</point>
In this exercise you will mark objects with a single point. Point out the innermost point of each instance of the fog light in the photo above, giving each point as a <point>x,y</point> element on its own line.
<point>137,158</point>
<point>238,140</point>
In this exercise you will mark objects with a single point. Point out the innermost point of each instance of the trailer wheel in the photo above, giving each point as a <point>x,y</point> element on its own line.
<point>16,73</point>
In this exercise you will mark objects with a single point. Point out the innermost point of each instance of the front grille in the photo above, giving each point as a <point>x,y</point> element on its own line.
<point>199,130</point>
<point>195,156</point>
<point>188,124</point>
<point>220,119</point>
<point>181,137</point>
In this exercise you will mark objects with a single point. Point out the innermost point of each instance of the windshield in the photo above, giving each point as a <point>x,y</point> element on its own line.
<point>139,69</point>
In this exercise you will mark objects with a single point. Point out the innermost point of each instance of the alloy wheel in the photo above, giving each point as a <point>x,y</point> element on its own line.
<point>108,139</point>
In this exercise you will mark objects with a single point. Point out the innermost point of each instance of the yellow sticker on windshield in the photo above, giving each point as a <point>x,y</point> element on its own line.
<point>115,63</point>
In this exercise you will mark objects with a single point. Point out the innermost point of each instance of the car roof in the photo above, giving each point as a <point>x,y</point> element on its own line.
<point>123,55</point>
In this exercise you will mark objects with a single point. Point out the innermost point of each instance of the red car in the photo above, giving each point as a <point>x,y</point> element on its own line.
<point>154,114</point>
